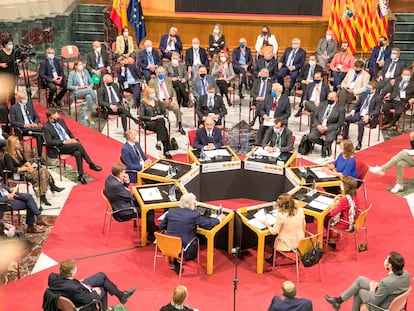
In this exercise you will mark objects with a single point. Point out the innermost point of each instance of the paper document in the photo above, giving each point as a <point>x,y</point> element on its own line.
<point>318,205</point>
<point>160,167</point>
<point>409,151</point>
<point>321,172</point>
<point>325,199</point>
<point>150,194</point>
<point>259,217</point>
<point>261,152</point>
<point>269,122</point>
<point>217,152</point>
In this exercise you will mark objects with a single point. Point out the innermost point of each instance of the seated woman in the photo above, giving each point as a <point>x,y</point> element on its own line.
<point>152,114</point>
<point>344,215</point>
<point>223,73</point>
<point>16,163</point>
<point>124,44</point>
<point>289,225</point>
<point>216,41</point>
<point>80,84</point>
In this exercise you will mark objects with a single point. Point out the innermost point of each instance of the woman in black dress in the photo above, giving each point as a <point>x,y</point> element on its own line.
<point>216,41</point>
<point>8,70</point>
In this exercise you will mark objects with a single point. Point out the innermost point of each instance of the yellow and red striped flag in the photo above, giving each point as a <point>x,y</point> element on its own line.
<point>119,13</point>
<point>363,24</point>
<point>348,26</point>
<point>380,22</point>
<point>335,22</point>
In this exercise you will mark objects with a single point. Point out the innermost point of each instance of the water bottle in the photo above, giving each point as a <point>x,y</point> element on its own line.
<point>171,193</point>
<point>220,210</point>
<point>170,170</point>
<point>202,155</point>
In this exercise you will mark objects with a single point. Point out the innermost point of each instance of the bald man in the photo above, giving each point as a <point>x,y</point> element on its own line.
<point>290,303</point>
<point>97,60</point>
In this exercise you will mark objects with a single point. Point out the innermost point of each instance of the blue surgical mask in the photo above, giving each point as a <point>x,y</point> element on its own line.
<point>276,131</point>
<point>264,33</point>
<point>393,56</point>
<point>210,95</point>
<point>80,68</point>
<point>331,102</point>
<point>9,47</point>
<point>368,91</point>
<point>161,76</point>
<point>24,101</point>
<point>152,96</point>
<point>242,45</point>
<point>406,78</point>
<point>274,94</point>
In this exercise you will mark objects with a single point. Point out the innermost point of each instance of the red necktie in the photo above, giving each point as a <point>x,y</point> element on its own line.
<point>275,104</point>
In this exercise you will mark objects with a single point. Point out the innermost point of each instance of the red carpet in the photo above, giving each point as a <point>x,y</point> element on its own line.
<point>77,234</point>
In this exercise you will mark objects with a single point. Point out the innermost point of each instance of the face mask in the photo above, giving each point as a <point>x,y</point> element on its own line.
<point>381,43</point>
<point>357,71</point>
<point>242,45</point>
<point>126,33</point>
<point>406,78</point>
<point>98,50</point>
<point>216,31</point>
<point>331,102</point>
<point>210,95</point>
<point>161,76</point>
<point>24,101</point>
<point>316,81</point>
<point>274,93</point>
<point>18,148</point>
<point>152,96</point>
<point>196,46</point>
<point>202,75</point>
<point>54,120</point>
<point>80,68</point>
<point>328,37</point>
<point>149,50</point>
<point>312,62</point>
<point>109,84</point>
<point>174,62</point>
<point>276,131</point>
<point>10,47</point>
<point>263,78</point>
<point>223,59</point>
<point>264,33</point>
<point>295,46</point>
<point>368,91</point>
<point>50,56</point>
<point>393,56</point>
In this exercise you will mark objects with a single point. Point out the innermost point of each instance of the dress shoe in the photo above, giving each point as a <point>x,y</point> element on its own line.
<point>33,229</point>
<point>333,302</point>
<point>82,180</point>
<point>168,155</point>
<point>150,237</point>
<point>230,104</point>
<point>158,147</point>
<point>181,130</point>
<point>332,244</point>
<point>358,146</point>
<point>55,188</point>
<point>43,222</point>
<point>126,294</point>
<point>44,200</point>
<point>176,268</point>
<point>95,167</point>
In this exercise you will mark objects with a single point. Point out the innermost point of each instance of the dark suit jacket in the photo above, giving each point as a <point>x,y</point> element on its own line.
<point>290,304</point>
<point>373,108</point>
<point>375,54</point>
<point>143,59</point>
<point>330,47</point>
<point>272,67</point>
<point>202,140</point>
<point>298,61</point>
<point>52,138</point>
<point>103,95</point>
<point>286,143</point>
<point>335,119</point>
<point>236,57</point>
<point>72,289</point>
<point>164,41</point>
<point>189,57</point>
<point>91,60</point>
<point>323,95</point>
<point>16,115</point>
<point>282,108</point>
<point>398,67</point>
<point>135,72</point>
<point>218,107</point>
<point>45,70</point>
<point>121,198</point>
<point>182,71</point>
<point>131,160</point>
<point>196,86</point>
<point>409,90</point>
<point>303,74</point>
<point>255,89</point>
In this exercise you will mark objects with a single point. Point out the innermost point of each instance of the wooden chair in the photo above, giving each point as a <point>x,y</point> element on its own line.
<point>171,247</point>
<point>399,303</point>
<point>6,208</point>
<point>362,169</point>
<point>360,224</point>
<point>304,246</point>
<point>65,304</point>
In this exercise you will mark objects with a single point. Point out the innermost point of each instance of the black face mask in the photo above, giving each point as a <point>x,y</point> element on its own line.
<point>331,102</point>
<point>109,84</point>
<point>202,75</point>
<point>54,120</point>
<point>381,44</point>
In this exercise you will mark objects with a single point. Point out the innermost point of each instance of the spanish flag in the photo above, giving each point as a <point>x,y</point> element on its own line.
<point>119,13</point>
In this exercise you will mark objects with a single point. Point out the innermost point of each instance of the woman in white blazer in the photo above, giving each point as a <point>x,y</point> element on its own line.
<point>266,39</point>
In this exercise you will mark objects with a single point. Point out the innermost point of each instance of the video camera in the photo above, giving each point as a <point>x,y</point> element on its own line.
<point>23,52</point>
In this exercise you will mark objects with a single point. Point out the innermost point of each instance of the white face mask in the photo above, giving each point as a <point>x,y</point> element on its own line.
<point>295,45</point>
<point>149,49</point>
<point>223,59</point>
<point>312,62</point>
<point>328,37</point>
<point>50,56</point>
<point>98,50</point>
<point>174,62</point>
<point>126,33</point>
<point>216,31</point>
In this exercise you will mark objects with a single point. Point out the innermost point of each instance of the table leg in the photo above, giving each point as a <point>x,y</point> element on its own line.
<point>319,227</point>
<point>210,254</point>
<point>143,227</point>
<point>260,253</point>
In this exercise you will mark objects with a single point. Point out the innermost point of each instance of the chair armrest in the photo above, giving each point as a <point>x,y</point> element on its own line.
<point>374,306</point>
<point>95,301</point>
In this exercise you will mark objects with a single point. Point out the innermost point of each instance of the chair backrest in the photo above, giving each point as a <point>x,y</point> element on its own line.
<point>70,51</point>
<point>362,218</point>
<point>191,137</point>
<point>362,169</point>
<point>65,304</point>
<point>108,204</point>
<point>307,243</point>
<point>169,245</point>
<point>399,302</point>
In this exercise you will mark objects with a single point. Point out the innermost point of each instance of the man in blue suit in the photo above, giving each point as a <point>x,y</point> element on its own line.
<point>51,76</point>
<point>201,83</point>
<point>148,60</point>
<point>183,222</point>
<point>129,77</point>
<point>378,57</point>
<point>291,63</point>
<point>132,156</point>
<point>170,42</point>
<point>209,137</point>
<point>242,61</point>
<point>316,93</point>
<point>211,105</point>
<point>290,303</point>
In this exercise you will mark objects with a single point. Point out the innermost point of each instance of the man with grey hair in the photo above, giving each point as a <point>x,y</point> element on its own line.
<point>261,88</point>
<point>290,302</point>
<point>170,43</point>
<point>148,60</point>
<point>129,78</point>
<point>183,222</point>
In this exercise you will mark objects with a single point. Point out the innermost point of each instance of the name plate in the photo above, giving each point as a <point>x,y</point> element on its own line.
<point>263,167</point>
<point>189,176</point>
<point>220,166</point>
<point>291,177</point>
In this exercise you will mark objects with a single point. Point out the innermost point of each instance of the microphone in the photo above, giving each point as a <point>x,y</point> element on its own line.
<point>235,250</point>
<point>34,133</point>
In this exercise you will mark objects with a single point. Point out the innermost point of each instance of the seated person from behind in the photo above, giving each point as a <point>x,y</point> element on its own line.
<point>179,296</point>
<point>290,302</point>
<point>183,222</point>
<point>354,83</point>
<point>170,43</point>
<point>124,206</point>
<point>208,137</point>
<point>129,78</point>
<point>112,101</point>
<point>132,156</point>
<point>278,137</point>
<point>211,105</point>
<point>82,292</point>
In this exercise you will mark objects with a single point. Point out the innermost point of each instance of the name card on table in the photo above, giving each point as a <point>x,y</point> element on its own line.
<point>220,166</point>
<point>190,175</point>
<point>264,167</point>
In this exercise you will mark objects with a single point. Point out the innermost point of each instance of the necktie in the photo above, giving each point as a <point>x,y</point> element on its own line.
<point>275,104</point>
<point>52,65</point>
<point>210,104</point>
<point>98,60</point>
<point>381,56</point>
<point>291,58</point>
<point>112,95</point>
<point>355,76</point>
<point>203,87</point>
<point>137,153</point>
<point>164,90</point>
<point>317,94</point>
<point>327,112</point>
<point>28,114</point>
<point>61,132</point>
<point>150,59</point>
<point>311,72</point>
<point>392,67</point>
<point>278,140</point>
<point>366,103</point>
<point>262,89</point>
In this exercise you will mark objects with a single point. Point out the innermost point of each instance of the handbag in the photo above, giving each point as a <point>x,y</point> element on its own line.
<point>312,257</point>
<point>305,146</point>
<point>173,144</point>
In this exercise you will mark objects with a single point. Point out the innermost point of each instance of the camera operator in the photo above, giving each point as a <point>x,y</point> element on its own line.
<point>8,68</point>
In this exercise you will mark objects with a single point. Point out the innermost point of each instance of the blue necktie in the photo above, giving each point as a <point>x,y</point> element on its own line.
<point>28,114</point>
<point>262,89</point>
<point>150,59</point>
<point>203,86</point>
<point>62,134</point>
<point>210,104</point>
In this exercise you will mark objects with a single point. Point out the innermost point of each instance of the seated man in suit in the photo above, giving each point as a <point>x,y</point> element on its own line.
<point>129,78</point>
<point>51,76</point>
<point>165,92</point>
<point>291,63</point>
<point>201,83</point>
<point>290,302</point>
<point>195,57</point>
<point>391,70</point>
<point>111,99</point>
<point>25,120</point>
<point>380,293</point>
<point>354,83</point>
<point>397,97</point>
<point>261,88</point>
<point>177,71</point>
<point>97,60</point>
<point>242,61</point>
<point>276,105</point>
<point>328,121</point>
<point>208,137</point>
<point>183,222</point>
<point>132,156</point>
<point>60,140</point>
<point>211,106</point>
<point>365,111</point>
<point>124,205</point>
<point>379,55</point>
<point>278,137</point>
<point>326,49</point>
<point>82,292</point>
<point>269,62</point>
<point>148,60</point>
<point>170,43</point>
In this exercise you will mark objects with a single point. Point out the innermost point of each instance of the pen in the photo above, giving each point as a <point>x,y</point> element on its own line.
<point>165,192</point>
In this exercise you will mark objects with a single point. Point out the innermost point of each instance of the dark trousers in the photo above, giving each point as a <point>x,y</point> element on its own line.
<point>223,87</point>
<point>283,72</point>
<point>39,138</point>
<point>78,152</point>
<point>338,77</point>
<point>136,90</point>
<point>158,126</point>
<point>182,96</point>
<point>361,125</point>
<point>392,118</point>
<point>53,89</point>
<point>4,118</point>
<point>135,213</point>
<point>24,201</point>
<point>107,286</point>
<point>124,114</point>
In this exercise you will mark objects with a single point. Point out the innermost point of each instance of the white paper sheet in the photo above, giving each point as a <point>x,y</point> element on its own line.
<point>161,218</point>
<point>150,194</point>
<point>409,151</point>
<point>325,200</point>
<point>321,172</point>
<point>318,205</point>
<point>160,167</point>
<point>217,152</point>
<point>261,152</point>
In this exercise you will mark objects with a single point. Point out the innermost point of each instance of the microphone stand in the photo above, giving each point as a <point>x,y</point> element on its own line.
<point>240,112</point>
<point>235,251</point>
<point>38,161</point>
